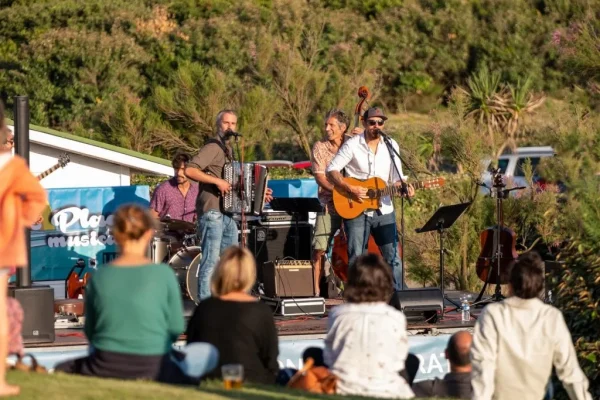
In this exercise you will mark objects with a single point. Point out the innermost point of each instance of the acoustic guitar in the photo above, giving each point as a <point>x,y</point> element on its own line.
<point>376,187</point>
<point>62,161</point>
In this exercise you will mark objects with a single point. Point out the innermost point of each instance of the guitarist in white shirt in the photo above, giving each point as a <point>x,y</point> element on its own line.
<point>365,156</point>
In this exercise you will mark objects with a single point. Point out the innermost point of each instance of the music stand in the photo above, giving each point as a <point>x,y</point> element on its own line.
<point>296,206</point>
<point>441,220</point>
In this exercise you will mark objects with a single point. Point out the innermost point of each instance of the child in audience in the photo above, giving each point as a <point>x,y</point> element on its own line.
<point>22,200</point>
<point>133,310</point>
<point>367,345</point>
<point>241,328</point>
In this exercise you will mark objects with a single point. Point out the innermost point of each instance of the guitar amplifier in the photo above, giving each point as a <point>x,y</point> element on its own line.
<point>288,278</point>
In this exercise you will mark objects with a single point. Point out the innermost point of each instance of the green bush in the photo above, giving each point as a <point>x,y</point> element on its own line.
<point>282,64</point>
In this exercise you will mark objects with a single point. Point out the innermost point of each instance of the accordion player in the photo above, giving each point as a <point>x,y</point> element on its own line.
<point>248,193</point>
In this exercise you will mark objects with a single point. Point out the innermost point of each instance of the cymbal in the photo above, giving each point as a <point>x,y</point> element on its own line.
<point>177,225</point>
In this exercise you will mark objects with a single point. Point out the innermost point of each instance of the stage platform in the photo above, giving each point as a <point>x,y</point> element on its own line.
<point>296,334</point>
<point>315,326</point>
<point>427,341</point>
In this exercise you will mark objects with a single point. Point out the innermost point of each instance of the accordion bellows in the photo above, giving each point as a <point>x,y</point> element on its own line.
<point>247,193</point>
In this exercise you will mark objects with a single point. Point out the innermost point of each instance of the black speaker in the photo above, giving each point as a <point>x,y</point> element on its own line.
<point>272,242</point>
<point>38,312</point>
<point>419,304</point>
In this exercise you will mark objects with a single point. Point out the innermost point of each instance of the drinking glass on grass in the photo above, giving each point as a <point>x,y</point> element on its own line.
<point>233,376</point>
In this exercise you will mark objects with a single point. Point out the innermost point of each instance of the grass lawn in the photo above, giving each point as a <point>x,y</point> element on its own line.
<point>61,386</point>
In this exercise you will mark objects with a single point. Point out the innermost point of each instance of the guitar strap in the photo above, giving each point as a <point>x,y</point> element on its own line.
<point>220,143</point>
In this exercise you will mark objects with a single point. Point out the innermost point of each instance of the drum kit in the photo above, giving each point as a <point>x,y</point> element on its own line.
<point>175,243</point>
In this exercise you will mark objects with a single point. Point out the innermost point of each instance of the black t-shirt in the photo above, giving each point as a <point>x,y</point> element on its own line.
<point>243,332</point>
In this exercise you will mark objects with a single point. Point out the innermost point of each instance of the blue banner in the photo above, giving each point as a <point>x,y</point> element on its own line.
<point>306,187</point>
<point>428,349</point>
<point>76,224</point>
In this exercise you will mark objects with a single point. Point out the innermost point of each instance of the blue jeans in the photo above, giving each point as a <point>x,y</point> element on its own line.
<point>217,232</point>
<point>199,359</point>
<point>383,229</point>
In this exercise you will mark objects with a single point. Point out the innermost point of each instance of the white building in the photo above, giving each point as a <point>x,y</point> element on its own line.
<point>93,163</point>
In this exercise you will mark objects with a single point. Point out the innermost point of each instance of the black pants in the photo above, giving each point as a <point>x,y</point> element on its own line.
<point>109,364</point>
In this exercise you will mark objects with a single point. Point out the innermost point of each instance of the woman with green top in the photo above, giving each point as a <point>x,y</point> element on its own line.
<point>133,312</point>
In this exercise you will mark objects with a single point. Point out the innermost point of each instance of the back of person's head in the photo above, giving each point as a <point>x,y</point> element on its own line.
<point>131,222</point>
<point>527,276</point>
<point>459,348</point>
<point>369,280</point>
<point>235,272</point>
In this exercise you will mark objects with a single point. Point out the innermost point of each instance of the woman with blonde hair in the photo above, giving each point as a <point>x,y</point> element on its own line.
<point>240,327</point>
<point>22,200</point>
<point>133,309</point>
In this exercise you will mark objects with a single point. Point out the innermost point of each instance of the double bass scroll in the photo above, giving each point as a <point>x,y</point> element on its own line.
<point>363,94</point>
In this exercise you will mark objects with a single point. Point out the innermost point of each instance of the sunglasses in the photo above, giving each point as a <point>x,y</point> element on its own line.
<point>378,122</point>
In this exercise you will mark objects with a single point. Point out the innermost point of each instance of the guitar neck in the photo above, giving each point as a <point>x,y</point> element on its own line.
<point>48,172</point>
<point>397,190</point>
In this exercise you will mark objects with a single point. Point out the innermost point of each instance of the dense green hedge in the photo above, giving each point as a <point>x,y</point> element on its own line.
<point>151,75</point>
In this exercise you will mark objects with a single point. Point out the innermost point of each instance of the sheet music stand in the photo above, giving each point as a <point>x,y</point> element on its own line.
<point>297,206</point>
<point>441,220</point>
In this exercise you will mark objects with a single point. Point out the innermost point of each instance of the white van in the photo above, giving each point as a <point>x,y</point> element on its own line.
<point>511,164</point>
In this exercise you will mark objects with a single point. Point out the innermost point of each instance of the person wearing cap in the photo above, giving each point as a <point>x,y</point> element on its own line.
<point>366,156</point>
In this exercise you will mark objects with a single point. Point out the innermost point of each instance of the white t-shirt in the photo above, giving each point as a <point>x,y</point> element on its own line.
<point>366,348</point>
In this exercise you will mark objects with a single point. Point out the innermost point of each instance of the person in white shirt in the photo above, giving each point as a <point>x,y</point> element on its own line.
<point>367,344</point>
<point>365,156</point>
<point>517,341</point>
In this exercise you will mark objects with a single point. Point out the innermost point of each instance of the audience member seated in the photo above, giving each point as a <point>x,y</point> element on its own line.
<point>133,311</point>
<point>457,383</point>
<point>367,345</point>
<point>241,328</point>
<point>517,341</point>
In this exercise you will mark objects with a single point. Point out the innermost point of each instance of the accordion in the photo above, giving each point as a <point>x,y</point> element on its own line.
<point>251,197</point>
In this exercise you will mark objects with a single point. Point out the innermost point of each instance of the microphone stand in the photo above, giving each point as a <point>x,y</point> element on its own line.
<point>403,191</point>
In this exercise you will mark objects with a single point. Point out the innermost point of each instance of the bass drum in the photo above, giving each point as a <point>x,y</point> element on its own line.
<point>185,263</point>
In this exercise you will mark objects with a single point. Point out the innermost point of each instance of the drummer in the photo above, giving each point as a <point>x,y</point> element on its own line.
<point>176,197</point>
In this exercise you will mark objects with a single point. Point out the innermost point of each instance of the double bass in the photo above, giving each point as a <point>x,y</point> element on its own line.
<point>498,244</point>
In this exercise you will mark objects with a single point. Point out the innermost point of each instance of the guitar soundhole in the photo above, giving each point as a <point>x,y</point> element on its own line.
<point>371,194</point>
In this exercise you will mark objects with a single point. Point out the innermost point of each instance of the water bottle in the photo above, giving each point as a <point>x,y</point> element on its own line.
<point>466,310</point>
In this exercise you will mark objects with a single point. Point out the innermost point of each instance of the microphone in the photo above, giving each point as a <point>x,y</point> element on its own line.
<point>229,133</point>
<point>382,133</point>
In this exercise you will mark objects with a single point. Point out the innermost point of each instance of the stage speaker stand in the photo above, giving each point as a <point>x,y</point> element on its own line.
<point>419,305</point>
<point>37,301</point>
<point>38,312</point>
